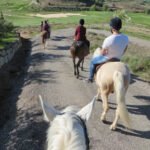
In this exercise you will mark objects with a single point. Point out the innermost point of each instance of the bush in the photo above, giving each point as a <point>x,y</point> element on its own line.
<point>123,15</point>
<point>95,8</point>
<point>147,11</point>
<point>105,7</point>
<point>139,66</point>
<point>5,27</point>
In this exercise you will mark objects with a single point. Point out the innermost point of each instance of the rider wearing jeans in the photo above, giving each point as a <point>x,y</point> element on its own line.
<point>113,46</point>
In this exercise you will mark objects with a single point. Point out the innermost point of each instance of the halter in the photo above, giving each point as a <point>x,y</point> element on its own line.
<point>82,122</point>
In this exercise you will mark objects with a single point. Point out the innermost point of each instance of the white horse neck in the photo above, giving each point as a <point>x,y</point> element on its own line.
<point>66,133</point>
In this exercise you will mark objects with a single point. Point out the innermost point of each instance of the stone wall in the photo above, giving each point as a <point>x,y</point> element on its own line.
<point>8,53</point>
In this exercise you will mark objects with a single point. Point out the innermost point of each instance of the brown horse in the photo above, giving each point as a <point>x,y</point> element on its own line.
<point>79,52</point>
<point>110,77</point>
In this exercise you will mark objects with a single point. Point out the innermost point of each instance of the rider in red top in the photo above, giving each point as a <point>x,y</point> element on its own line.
<point>80,33</point>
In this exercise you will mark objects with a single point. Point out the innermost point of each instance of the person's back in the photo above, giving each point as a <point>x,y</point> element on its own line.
<point>116,44</point>
<point>80,34</point>
<point>46,27</point>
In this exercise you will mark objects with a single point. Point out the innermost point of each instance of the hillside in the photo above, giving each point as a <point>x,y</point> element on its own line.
<point>26,4</point>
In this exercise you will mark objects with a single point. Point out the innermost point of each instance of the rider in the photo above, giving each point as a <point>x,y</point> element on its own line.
<point>113,46</point>
<point>80,33</point>
<point>47,29</point>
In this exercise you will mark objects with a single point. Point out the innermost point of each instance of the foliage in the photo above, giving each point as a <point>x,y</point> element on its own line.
<point>94,7</point>
<point>139,65</point>
<point>5,26</point>
<point>147,11</point>
<point>122,14</point>
<point>105,8</point>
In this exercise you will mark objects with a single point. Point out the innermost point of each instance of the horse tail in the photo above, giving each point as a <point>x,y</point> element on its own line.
<point>120,90</point>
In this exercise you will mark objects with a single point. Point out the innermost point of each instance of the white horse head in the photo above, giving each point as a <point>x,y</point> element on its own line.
<point>68,130</point>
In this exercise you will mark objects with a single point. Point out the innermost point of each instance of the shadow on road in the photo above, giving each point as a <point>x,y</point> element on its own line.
<point>21,129</point>
<point>134,109</point>
<point>135,78</point>
<point>140,110</point>
<point>39,77</point>
<point>136,133</point>
<point>141,97</point>
<point>61,48</point>
<point>58,38</point>
<point>39,58</point>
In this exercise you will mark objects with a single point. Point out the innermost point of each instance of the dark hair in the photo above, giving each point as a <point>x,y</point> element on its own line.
<point>45,21</point>
<point>116,23</point>
<point>81,21</point>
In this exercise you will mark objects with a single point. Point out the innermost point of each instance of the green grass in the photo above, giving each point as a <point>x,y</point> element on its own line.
<point>140,19</point>
<point>14,5</point>
<point>10,38</point>
<point>21,19</point>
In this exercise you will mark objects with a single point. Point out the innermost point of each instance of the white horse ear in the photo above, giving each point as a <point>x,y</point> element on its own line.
<point>86,111</point>
<point>49,112</point>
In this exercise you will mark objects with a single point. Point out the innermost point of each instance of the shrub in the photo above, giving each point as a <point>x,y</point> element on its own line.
<point>123,15</point>
<point>139,65</point>
<point>95,8</point>
<point>147,11</point>
<point>105,7</point>
<point>5,27</point>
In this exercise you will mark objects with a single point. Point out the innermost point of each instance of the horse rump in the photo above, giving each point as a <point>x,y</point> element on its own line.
<point>81,47</point>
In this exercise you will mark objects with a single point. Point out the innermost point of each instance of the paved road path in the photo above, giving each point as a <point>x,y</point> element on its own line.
<point>50,73</point>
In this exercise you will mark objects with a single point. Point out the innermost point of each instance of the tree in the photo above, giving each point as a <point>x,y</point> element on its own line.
<point>5,26</point>
<point>2,16</point>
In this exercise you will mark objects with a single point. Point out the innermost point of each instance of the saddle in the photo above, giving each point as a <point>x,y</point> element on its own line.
<point>78,46</point>
<point>79,43</point>
<point>97,66</point>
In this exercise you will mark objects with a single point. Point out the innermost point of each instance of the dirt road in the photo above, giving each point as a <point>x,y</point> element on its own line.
<point>50,73</point>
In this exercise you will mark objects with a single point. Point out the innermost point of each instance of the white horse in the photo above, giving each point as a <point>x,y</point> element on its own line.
<point>68,130</point>
<point>110,77</point>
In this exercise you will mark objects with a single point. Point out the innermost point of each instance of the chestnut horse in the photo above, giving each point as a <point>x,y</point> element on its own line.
<point>80,52</point>
<point>110,77</point>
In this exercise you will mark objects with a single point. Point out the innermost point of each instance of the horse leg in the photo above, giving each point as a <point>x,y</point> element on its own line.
<point>82,64</point>
<point>98,94</point>
<point>113,125</point>
<point>74,65</point>
<point>104,97</point>
<point>78,64</point>
<point>44,42</point>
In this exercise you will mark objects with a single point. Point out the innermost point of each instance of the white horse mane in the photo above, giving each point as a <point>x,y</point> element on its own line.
<point>68,130</point>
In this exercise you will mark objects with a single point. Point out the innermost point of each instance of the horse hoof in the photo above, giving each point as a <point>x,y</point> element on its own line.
<point>103,119</point>
<point>112,127</point>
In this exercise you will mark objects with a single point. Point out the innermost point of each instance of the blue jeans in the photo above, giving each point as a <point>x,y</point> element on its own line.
<point>96,60</point>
